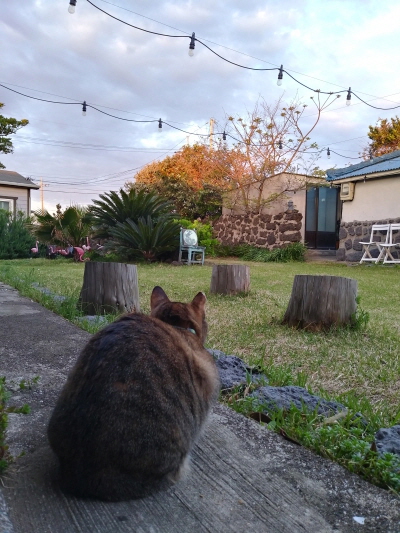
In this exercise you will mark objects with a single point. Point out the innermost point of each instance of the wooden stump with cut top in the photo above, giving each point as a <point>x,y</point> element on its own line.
<point>230,279</point>
<point>320,302</point>
<point>109,288</point>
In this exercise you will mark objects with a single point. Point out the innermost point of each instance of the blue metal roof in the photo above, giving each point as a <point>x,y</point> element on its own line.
<point>384,163</point>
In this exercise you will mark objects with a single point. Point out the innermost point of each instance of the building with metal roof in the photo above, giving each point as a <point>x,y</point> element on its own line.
<point>370,194</point>
<point>378,167</point>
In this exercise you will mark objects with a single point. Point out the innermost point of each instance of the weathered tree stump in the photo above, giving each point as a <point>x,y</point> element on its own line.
<point>109,288</point>
<point>320,302</point>
<point>230,279</point>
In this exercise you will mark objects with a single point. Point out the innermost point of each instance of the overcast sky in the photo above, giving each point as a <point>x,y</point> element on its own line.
<point>50,54</point>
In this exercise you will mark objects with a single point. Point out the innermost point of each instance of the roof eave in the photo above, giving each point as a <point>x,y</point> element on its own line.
<point>21,185</point>
<point>362,177</point>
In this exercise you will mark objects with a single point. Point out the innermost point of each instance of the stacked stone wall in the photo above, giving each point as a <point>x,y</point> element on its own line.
<point>351,233</point>
<point>264,231</point>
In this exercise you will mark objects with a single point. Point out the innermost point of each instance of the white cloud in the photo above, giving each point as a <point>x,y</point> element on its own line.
<point>137,75</point>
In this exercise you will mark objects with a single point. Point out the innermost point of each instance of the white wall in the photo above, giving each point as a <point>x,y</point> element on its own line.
<point>376,199</point>
<point>21,195</point>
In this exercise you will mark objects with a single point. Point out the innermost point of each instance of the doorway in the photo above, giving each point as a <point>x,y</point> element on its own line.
<point>322,218</point>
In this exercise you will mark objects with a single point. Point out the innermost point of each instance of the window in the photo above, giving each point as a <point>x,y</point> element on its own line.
<point>7,204</point>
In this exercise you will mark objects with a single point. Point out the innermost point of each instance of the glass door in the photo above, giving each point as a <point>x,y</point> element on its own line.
<point>322,218</point>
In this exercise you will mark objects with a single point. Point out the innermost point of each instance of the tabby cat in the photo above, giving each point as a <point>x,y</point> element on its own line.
<point>135,402</point>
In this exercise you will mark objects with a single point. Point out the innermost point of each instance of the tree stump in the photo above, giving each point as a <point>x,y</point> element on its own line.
<point>320,302</point>
<point>230,279</point>
<point>109,288</point>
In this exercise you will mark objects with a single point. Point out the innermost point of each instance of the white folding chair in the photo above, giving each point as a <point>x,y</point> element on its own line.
<point>376,241</point>
<point>390,246</point>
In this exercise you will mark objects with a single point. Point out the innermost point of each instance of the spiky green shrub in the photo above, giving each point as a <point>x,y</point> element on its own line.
<point>70,226</point>
<point>146,239</point>
<point>16,240</point>
<point>116,208</point>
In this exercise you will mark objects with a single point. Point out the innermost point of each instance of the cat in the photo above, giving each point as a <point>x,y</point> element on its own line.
<point>135,403</point>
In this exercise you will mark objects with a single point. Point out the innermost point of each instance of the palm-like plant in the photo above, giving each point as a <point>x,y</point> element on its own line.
<point>145,239</point>
<point>68,227</point>
<point>114,208</point>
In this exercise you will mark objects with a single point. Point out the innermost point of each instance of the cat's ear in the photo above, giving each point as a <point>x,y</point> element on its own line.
<point>158,297</point>
<point>199,301</point>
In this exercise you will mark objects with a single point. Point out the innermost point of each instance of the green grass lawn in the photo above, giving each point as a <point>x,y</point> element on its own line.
<point>366,362</point>
<point>359,367</point>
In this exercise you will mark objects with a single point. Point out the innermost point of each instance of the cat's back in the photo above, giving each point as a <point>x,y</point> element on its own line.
<point>135,402</point>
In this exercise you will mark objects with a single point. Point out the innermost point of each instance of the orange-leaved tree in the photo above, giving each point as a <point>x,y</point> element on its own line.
<point>193,179</point>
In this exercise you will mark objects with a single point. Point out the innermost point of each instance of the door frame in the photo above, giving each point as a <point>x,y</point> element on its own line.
<point>319,240</point>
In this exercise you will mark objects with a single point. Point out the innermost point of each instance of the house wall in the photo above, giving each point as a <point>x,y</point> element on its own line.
<point>294,186</point>
<point>266,231</point>
<point>351,233</point>
<point>376,199</point>
<point>20,194</point>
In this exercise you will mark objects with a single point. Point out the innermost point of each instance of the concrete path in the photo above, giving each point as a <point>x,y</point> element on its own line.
<point>244,478</point>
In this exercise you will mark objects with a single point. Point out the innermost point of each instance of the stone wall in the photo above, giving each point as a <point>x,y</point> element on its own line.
<point>265,231</point>
<point>351,233</point>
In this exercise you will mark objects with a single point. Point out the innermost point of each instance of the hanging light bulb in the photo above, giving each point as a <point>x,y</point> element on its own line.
<point>280,76</point>
<point>84,108</point>
<point>71,7</point>
<point>224,136</point>
<point>191,45</point>
<point>280,145</point>
<point>371,155</point>
<point>159,125</point>
<point>328,153</point>
<point>348,97</point>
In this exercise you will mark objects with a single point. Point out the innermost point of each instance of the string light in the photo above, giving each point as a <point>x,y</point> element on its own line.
<point>280,69</point>
<point>192,45</point>
<point>328,153</point>
<point>71,8</point>
<point>348,97</point>
<point>280,76</point>
<point>224,134</point>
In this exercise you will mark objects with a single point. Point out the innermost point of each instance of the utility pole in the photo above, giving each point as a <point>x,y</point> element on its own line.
<point>42,186</point>
<point>211,132</point>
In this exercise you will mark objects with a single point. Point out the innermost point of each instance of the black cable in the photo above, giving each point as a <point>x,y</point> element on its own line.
<point>375,107</point>
<point>238,64</point>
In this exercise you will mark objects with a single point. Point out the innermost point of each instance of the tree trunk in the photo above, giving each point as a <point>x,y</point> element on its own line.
<point>109,288</point>
<point>230,279</point>
<point>320,302</point>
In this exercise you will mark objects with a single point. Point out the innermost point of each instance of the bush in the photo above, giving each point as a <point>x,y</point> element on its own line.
<point>15,239</point>
<point>292,252</point>
<point>144,240</point>
<point>204,233</point>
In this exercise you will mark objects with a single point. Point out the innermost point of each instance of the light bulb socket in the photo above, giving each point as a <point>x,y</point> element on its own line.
<point>84,108</point>
<point>159,125</point>
<point>280,76</point>
<point>280,146</point>
<point>348,97</point>
<point>71,7</point>
<point>224,136</point>
<point>328,153</point>
<point>192,45</point>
